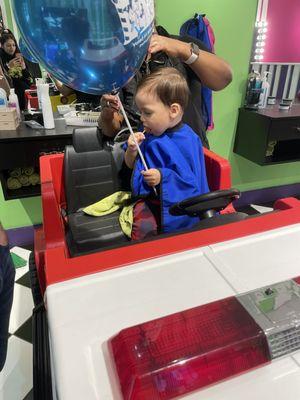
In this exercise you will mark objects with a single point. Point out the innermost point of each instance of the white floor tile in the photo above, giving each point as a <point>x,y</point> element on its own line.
<point>16,376</point>
<point>22,307</point>
<point>24,254</point>
<point>261,209</point>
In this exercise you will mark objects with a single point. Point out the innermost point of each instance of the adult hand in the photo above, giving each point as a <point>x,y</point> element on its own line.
<point>110,105</point>
<point>214,72</point>
<point>173,47</point>
<point>139,136</point>
<point>111,119</point>
<point>21,60</point>
<point>152,176</point>
<point>15,62</point>
<point>110,101</point>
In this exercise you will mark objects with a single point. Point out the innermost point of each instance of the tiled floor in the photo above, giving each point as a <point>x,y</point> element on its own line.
<point>16,377</point>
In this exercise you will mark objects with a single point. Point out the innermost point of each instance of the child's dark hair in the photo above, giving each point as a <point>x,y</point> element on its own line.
<point>168,84</point>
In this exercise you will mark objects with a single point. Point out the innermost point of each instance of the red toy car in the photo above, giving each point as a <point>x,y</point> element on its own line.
<point>64,256</point>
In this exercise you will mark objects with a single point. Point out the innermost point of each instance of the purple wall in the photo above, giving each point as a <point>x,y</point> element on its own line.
<point>283,37</point>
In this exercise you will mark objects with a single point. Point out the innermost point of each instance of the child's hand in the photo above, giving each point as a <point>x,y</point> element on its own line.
<point>152,176</point>
<point>139,136</point>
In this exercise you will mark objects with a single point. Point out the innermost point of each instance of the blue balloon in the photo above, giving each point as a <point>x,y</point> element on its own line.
<point>25,51</point>
<point>94,46</point>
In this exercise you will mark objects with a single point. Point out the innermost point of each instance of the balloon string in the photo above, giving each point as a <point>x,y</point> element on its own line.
<point>134,138</point>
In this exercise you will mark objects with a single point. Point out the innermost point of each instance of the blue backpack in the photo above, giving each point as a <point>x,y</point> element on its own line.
<point>200,28</point>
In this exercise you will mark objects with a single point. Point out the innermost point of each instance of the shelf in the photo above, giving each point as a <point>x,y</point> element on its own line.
<point>23,192</point>
<point>29,191</point>
<point>268,136</point>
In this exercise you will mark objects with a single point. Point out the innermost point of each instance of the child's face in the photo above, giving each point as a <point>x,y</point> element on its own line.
<point>155,116</point>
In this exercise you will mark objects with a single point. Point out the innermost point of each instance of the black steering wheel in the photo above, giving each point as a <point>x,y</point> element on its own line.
<point>206,205</point>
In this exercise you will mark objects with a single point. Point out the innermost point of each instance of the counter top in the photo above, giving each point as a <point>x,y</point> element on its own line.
<point>24,132</point>
<point>274,112</point>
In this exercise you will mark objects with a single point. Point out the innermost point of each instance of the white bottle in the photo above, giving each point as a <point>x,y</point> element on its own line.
<point>3,98</point>
<point>38,82</point>
<point>265,91</point>
<point>46,106</point>
<point>13,102</point>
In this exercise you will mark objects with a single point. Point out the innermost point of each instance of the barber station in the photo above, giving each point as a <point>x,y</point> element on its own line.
<point>150,197</point>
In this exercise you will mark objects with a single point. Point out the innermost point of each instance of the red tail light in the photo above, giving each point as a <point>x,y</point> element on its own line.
<point>177,354</point>
<point>297,280</point>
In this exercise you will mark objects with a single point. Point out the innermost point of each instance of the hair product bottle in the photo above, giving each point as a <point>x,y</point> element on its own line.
<point>3,98</point>
<point>46,106</point>
<point>13,101</point>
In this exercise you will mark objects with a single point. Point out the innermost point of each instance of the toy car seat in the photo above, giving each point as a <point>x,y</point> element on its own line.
<point>90,174</point>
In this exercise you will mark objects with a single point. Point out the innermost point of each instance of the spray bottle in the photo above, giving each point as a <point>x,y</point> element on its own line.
<point>254,84</point>
<point>13,102</point>
<point>265,91</point>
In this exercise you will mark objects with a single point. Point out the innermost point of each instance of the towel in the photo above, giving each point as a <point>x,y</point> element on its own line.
<point>112,203</point>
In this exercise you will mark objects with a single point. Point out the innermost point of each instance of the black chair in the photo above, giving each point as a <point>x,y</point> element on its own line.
<point>90,174</point>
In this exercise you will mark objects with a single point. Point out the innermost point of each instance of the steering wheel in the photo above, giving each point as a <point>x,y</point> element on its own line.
<point>206,205</point>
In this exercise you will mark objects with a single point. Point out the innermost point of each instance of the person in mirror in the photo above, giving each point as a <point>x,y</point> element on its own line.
<point>189,56</point>
<point>15,67</point>
<point>172,150</point>
<point>7,279</point>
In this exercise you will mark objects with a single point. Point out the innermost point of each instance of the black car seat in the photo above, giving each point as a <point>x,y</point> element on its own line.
<point>90,174</point>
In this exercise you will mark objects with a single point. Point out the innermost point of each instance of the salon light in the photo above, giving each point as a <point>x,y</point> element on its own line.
<point>258,57</point>
<point>260,44</point>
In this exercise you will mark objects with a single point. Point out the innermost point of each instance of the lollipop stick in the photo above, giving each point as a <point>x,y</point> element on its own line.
<point>134,138</point>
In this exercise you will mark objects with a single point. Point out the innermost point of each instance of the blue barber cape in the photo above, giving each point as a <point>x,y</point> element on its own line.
<point>178,155</point>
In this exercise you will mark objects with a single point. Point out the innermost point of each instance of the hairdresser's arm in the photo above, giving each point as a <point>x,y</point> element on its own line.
<point>63,89</point>
<point>213,71</point>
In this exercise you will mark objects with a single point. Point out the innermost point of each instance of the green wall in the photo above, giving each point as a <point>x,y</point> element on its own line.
<point>25,212</point>
<point>233,22</point>
<point>8,14</point>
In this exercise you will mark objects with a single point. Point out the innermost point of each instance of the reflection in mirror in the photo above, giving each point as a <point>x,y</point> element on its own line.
<point>276,46</point>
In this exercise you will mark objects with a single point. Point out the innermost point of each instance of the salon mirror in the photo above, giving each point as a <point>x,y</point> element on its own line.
<point>276,46</point>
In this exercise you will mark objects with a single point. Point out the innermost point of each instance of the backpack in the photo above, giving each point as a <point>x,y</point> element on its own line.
<point>199,27</point>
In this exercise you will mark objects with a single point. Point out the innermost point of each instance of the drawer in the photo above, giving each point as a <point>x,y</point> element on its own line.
<point>285,129</point>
